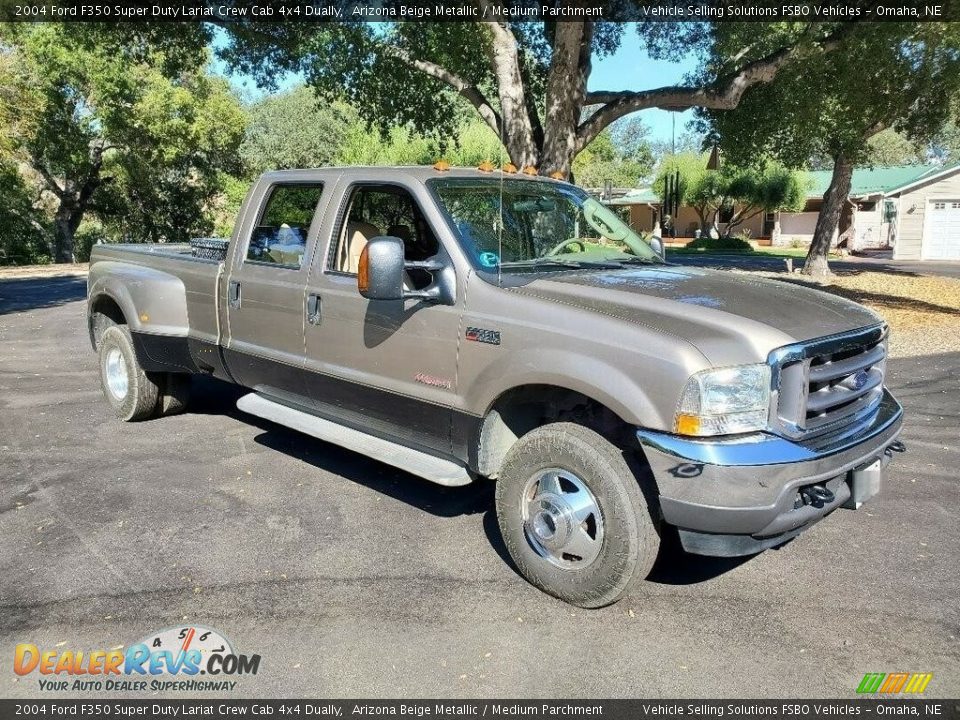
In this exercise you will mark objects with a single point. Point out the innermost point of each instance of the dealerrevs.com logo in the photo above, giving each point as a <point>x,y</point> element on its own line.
<point>169,660</point>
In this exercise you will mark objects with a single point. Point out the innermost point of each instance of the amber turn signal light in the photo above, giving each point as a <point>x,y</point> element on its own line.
<point>441,166</point>
<point>485,166</point>
<point>363,270</point>
<point>529,170</point>
<point>509,168</point>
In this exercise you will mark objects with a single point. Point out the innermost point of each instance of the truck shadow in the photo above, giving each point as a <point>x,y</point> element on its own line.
<point>20,294</point>
<point>675,566</point>
<point>213,397</point>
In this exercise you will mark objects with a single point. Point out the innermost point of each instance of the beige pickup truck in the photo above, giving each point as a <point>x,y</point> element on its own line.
<point>471,326</point>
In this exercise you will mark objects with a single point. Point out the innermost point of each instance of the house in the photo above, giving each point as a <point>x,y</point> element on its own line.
<point>914,209</point>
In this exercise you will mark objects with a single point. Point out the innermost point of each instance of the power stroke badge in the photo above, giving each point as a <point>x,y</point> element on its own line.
<point>490,337</point>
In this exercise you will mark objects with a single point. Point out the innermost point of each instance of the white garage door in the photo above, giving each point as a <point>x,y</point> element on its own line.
<point>943,230</point>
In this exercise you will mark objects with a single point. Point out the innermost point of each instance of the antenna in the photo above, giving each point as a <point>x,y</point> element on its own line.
<point>500,209</point>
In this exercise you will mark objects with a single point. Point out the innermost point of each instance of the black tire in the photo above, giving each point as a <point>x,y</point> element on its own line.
<point>138,399</point>
<point>174,393</point>
<point>630,537</point>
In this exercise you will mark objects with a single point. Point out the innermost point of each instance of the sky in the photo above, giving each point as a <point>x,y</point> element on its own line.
<point>630,68</point>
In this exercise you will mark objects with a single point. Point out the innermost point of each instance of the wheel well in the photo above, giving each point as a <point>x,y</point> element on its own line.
<point>522,409</point>
<point>104,312</point>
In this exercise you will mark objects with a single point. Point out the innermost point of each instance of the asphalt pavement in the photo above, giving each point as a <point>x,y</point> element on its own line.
<point>350,578</point>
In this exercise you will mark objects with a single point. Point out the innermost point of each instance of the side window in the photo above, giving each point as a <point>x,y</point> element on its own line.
<point>374,210</point>
<point>280,236</point>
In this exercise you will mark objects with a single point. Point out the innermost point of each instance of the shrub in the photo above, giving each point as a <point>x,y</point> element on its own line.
<point>721,243</point>
<point>87,235</point>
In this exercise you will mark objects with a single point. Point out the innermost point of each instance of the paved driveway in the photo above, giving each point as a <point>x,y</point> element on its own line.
<point>353,579</point>
<point>760,261</point>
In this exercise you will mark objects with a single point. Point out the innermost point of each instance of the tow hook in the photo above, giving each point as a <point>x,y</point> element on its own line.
<point>894,447</point>
<point>816,495</point>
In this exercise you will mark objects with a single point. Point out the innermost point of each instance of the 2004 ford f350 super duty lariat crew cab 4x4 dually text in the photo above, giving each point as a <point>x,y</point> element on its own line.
<point>463,325</point>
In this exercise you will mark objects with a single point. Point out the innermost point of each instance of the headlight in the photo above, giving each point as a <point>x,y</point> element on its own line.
<point>724,401</point>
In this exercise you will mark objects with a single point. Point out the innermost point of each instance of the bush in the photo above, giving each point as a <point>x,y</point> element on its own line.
<point>720,243</point>
<point>87,235</point>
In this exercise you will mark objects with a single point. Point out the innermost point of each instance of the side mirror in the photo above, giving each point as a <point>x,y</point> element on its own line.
<point>382,271</point>
<point>656,244</point>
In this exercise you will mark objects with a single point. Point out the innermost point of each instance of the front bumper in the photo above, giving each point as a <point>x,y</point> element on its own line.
<point>739,496</point>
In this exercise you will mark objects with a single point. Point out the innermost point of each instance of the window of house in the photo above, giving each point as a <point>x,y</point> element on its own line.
<point>375,210</point>
<point>280,236</point>
<point>889,210</point>
<point>725,214</point>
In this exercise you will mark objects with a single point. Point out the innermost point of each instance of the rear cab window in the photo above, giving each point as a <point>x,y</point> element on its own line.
<point>280,235</point>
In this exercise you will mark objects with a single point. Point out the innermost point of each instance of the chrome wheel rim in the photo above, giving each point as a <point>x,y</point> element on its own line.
<point>116,371</point>
<point>562,519</point>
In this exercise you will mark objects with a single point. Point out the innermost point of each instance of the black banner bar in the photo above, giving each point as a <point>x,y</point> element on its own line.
<point>313,11</point>
<point>493,709</point>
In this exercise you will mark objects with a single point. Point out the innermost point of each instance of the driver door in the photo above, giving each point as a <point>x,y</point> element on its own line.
<point>386,367</point>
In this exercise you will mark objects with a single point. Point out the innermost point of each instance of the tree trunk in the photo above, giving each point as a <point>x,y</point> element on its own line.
<point>517,130</point>
<point>74,198</point>
<point>65,223</point>
<point>566,88</point>
<point>833,201</point>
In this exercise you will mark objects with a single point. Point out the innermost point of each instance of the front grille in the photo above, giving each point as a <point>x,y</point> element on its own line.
<point>829,385</point>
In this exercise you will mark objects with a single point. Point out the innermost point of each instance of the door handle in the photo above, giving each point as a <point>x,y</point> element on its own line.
<point>233,294</point>
<point>313,309</point>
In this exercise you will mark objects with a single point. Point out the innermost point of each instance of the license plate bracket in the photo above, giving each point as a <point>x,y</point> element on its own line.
<point>864,482</point>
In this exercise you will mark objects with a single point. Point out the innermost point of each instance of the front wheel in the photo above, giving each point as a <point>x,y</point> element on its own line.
<point>573,516</point>
<point>131,392</point>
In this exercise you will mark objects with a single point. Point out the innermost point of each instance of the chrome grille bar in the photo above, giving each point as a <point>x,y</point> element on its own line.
<point>828,384</point>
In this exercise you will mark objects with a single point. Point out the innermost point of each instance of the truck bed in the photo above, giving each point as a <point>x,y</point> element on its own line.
<point>168,270</point>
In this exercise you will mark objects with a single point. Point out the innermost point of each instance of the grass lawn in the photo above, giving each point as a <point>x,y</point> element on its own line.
<point>923,312</point>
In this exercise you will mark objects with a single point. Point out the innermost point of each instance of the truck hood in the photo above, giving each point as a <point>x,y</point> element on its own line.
<point>731,318</point>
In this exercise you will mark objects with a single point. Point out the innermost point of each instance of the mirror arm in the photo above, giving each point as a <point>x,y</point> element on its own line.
<point>429,265</point>
<point>432,294</point>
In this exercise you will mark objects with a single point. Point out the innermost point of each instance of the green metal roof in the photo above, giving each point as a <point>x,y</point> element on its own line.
<point>636,197</point>
<point>877,180</point>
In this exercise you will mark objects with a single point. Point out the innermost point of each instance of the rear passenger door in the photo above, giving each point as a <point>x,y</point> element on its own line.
<point>265,288</point>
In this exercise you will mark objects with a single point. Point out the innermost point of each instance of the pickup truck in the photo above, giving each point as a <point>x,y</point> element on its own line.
<point>468,325</point>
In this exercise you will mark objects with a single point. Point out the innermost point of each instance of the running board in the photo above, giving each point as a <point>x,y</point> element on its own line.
<point>438,470</point>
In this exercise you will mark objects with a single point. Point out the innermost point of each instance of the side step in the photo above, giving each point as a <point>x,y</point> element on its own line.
<point>413,461</point>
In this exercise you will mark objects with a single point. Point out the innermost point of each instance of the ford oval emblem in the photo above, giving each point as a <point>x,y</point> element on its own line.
<point>860,379</point>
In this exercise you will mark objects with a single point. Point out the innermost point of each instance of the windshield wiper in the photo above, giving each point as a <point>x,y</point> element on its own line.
<point>556,262</point>
<point>640,261</point>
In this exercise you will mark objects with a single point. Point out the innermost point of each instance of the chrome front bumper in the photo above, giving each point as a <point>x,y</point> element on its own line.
<point>747,487</point>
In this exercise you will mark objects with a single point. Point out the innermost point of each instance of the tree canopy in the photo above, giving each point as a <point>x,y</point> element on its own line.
<point>744,192</point>
<point>108,130</point>
<point>294,130</point>
<point>527,81</point>
<point>889,75</point>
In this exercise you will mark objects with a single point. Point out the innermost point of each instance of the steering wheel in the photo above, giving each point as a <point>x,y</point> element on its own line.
<point>555,250</point>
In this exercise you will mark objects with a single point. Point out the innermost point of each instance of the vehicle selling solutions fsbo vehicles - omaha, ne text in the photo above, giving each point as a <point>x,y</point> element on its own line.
<point>466,325</point>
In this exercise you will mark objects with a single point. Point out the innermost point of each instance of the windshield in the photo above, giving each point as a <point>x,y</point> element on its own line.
<point>516,225</point>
